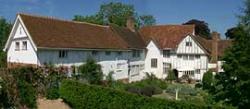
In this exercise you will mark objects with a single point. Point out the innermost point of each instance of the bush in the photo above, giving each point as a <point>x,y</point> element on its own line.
<point>27,94</point>
<point>171,76</point>
<point>91,71</point>
<point>208,80</point>
<point>83,96</point>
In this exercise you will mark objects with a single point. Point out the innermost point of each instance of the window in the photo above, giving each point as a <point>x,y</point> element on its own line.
<point>191,57</point>
<point>107,52</point>
<point>166,67</point>
<point>189,73</point>
<point>166,53</point>
<point>24,47</point>
<point>179,56</point>
<point>63,54</point>
<point>198,71</point>
<point>17,46</point>
<point>197,56</point>
<point>185,57</point>
<point>136,53</point>
<point>188,43</point>
<point>94,52</point>
<point>154,63</point>
<point>119,53</point>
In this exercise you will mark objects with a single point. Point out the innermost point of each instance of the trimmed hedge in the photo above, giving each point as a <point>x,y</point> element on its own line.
<point>83,96</point>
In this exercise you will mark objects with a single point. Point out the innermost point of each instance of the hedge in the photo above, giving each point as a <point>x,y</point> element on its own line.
<point>83,96</point>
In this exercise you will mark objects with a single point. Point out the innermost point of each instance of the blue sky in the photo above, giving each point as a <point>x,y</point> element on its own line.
<point>219,14</point>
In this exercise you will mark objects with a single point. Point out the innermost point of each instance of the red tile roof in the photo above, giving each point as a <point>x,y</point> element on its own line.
<point>207,45</point>
<point>54,33</point>
<point>167,36</point>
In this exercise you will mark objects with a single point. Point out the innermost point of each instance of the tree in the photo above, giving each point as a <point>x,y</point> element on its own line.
<point>233,85</point>
<point>235,31</point>
<point>147,20</point>
<point>5,29</point>
<point>91,71</point>
<point>116,13</point>
<point>208,80</point>
<point>201,28</point>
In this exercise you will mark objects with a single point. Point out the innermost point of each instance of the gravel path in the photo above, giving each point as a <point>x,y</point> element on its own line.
<point>51,104</point>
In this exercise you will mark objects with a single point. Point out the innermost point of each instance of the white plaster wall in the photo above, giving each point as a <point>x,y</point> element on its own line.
<point>22,56</point>
<point>154,52</point>
<point>113,62</point>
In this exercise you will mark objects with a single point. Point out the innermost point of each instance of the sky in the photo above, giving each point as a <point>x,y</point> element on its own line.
<point>219,14</point>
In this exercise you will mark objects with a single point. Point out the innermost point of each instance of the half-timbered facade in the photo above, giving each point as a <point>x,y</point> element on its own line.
<point>130,54</point>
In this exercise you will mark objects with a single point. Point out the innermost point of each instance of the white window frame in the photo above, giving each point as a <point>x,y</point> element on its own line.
<point>189,44</point>
<point>17,46</point>
<point>154,63</point>
<point>24,45</point>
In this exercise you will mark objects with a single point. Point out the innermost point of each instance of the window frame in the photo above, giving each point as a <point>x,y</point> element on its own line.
<point>17,46</point>
<point>154,63</point>
<point>94,52</point>
<point>24,45</point>
<point>108,53</point>
<point>166,53</point>
<point>136,53</point>
<point>63,54</point>
<point>189,44</point>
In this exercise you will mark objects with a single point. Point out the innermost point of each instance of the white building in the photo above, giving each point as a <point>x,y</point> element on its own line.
<point>36,40</point>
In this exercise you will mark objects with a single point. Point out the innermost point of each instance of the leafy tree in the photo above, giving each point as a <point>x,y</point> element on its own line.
<point>208,80</point>
<point>201,28</point>
<point>235,31</point>
<point>171,76</point>
<point>234,84</point>
<point>116,13</point>
<point>91,71</point>
<point>147,20</point>
<point>5,29</point>
<point>96,19</point>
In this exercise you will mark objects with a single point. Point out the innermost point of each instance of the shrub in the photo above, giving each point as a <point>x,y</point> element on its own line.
<point>83,96</point>
<point>27,94</point>
<point>53,80</point>
<point>91,71</point>
<point>171,76</point>
<point>208,80</point>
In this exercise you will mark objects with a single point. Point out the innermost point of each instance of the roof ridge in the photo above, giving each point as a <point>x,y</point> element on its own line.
<point>62,20</point>
<point>164,25</point>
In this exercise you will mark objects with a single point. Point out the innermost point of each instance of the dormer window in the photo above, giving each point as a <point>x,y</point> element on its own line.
<point>189,44</point>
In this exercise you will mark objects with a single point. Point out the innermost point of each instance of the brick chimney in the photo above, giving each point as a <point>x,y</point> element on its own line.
<point>131,24</point>
<point>214,53</point>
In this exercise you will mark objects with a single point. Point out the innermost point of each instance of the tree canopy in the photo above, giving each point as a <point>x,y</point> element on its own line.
<point>201,28</point>
<point>234,84</point>
<point>235,31</point>
<point>116,13</point>
<point>5,29</point>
